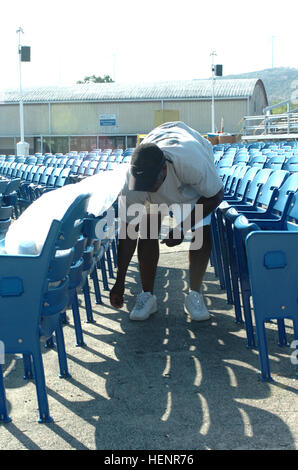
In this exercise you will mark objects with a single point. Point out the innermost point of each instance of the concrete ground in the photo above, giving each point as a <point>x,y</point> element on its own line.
<point>166,384</point>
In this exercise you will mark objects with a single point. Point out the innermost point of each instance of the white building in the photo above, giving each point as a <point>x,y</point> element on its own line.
<point>106,115</point>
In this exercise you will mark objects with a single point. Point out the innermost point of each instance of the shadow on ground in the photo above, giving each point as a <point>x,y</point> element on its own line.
<point>167,383</point>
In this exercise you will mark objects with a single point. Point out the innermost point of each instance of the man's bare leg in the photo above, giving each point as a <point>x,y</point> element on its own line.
<point>148,253</point>
<point>198,261</point>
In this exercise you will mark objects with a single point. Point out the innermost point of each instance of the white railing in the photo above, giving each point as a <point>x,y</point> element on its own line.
<point>272,124</point>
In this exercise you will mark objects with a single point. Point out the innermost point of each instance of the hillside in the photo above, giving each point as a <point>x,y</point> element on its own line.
<point>277,82</point>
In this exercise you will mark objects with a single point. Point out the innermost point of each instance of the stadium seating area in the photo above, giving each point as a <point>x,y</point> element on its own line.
<point>37,289</point>
<point>33,175</point>
<point>254,255</point>
<point>255,235</point>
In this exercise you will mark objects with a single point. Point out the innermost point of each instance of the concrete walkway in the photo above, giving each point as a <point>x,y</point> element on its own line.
<point>167,383</point>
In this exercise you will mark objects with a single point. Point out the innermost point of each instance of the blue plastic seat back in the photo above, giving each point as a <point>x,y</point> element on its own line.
<point>82,168</point>
<point>291,164</point>
<point>259,180</point>
<point>21,170</point>
<point>57,297</point>
<point>5,212</point>
<point>276,163</point>
<point>291,223</point>
<point>258,161</point>
<point>10,169</point>
<point>3,186</point>
<point>38,174</point>
<point>79,247</point>
<point>31,174</point>
<point>235,178</point>
<point>69,162</point>
<point>272,258</point>
<point>225,162</point>
<point>275,180</point>
<point>245,181</point>
<point>12,186</point>
<point>285,193</point>
<point>91,168</point>
<point>45,175</point>
<point>62,178</point>
<point>60,265</point>
<point>241,158</point>
<point>230,173</point>
<point>31,160</point>
<point>53,176</point>
<point>26,172</point>
<point>23,281</point>
<point>72,222</point>
<point>6,168</point>
<point>101,166</point>
<point>16,169</point>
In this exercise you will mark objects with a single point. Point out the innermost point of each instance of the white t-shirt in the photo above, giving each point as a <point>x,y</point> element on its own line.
<point>191,172</point>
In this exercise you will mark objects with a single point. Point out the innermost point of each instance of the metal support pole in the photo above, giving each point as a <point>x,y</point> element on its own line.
<point>212,99</point>
<point>19,31</point>
<point>22,146</point>
<point>212,107</point>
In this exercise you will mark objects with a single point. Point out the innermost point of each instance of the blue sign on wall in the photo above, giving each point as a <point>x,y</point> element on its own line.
<point>107,120</point>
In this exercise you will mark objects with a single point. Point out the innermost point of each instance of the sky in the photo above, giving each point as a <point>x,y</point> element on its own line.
<point>143,40</point>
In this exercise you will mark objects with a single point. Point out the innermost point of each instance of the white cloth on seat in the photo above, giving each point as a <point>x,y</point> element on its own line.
<point>29,232</point>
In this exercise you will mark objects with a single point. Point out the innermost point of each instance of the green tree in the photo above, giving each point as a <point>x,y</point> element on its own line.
<point>282,109</point>
<point>94,79</point>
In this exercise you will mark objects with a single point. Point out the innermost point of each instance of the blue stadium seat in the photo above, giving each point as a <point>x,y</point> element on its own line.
<point>31,300</point>
<point>272,265</point>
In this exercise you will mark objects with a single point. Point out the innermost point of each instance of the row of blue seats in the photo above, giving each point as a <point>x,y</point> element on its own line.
<point>39,158</point>
<point>64,160</point>
<point>8,195</point>
<point>36,291</point>
<point>261,161</point>
<point>283,145</point>
<point>32,180</point>
<point>254,231</point>
<point>246,152</point>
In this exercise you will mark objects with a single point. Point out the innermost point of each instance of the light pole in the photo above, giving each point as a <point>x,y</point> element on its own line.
<point>22,146</point>
<point>212,99</point>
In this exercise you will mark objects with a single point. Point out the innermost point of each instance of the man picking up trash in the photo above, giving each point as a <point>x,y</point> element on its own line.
<point>173,167</point>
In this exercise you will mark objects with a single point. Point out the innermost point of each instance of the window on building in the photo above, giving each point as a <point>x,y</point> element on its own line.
<point>55,145</point>
<point>131,141</point>
<point>106,142</point>
<point>82,144</point>
<point>7,146</point>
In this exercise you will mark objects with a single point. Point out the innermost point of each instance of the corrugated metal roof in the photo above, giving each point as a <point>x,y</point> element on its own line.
<point>182,89</point>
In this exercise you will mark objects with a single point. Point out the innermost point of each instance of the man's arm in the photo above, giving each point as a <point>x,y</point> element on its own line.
<point>208,204</point>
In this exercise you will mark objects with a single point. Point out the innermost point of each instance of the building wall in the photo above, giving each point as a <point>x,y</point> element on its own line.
<point>140,118</point>
<point>83,119</point>
<point>36,119</point>
<point>258,101</point>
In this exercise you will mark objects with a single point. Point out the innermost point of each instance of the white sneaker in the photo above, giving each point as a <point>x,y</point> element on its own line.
<point>145,305</point>
<point>194,305</point>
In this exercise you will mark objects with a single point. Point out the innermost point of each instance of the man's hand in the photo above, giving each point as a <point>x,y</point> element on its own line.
<point>171,241</point>
<point>116,295</point>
